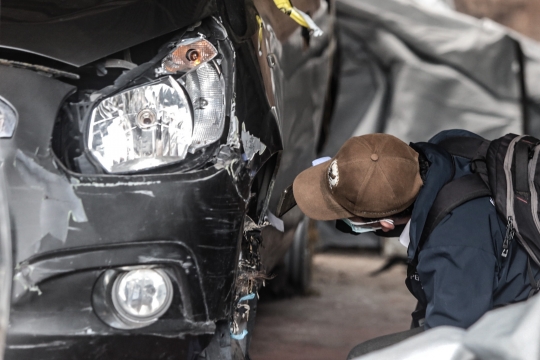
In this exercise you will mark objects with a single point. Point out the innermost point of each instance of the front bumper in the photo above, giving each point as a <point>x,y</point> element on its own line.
<point>191,227</point>
<point>70,228</point>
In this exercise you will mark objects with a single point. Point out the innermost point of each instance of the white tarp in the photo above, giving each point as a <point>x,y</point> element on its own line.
<point>509,333</point>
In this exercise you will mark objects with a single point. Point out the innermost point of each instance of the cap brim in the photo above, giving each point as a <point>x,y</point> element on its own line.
<point>313,196</point>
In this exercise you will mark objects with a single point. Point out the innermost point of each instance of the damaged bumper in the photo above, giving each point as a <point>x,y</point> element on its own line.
<point>179,226</point>
<point>70,229</point>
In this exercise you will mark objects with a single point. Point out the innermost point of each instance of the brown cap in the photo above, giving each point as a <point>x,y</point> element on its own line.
<point>371,176</point>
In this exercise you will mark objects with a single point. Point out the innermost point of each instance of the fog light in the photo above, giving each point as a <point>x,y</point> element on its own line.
<point>142,296</point>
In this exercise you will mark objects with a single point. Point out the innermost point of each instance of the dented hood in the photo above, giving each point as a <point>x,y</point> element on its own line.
<point>82,31</point>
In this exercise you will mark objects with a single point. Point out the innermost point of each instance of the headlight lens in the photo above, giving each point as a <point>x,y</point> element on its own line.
<point>207,96</point>
<point>159,123</point>
<point>141,128</point>
<point>142,296</point>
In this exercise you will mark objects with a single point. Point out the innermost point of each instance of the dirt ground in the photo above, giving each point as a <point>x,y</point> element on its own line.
<point>347,307</point>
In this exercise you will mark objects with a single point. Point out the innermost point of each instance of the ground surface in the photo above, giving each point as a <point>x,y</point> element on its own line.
<point>347,307</point>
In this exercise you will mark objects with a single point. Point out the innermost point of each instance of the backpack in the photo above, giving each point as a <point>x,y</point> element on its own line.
<point>506,169</point>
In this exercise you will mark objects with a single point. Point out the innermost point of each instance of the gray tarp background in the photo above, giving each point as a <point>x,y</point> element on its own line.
<point>412,70</point>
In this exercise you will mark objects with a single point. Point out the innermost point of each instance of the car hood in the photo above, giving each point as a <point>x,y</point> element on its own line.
<point>82,31</point>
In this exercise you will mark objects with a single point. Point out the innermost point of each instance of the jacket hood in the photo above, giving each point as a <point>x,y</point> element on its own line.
<point>441,171</point>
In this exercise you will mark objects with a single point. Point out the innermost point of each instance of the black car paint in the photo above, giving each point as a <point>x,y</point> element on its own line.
<point>68,228</point>
<point>80,32</point>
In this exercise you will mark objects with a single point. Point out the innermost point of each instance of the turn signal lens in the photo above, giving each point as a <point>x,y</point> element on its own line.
<point>207,93</point>
<point>189,54</point>
<point>142,296</point>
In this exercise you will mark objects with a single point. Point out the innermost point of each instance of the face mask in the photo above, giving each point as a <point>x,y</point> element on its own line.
<point>360,228</point>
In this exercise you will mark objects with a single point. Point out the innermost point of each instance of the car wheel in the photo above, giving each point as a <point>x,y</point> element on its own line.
<point>299,258</point>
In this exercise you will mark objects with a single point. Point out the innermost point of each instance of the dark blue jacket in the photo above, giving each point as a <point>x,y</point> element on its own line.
<point>460,267</point>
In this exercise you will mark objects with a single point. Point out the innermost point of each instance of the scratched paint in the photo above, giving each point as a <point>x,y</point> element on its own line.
<point>59,203</point>
<point>252,144</point>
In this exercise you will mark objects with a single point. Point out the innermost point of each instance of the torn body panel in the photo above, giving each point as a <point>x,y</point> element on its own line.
<point>69,228</point>
<point>76,226</point>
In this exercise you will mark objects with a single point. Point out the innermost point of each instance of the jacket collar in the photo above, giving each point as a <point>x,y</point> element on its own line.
<point>441,171</point>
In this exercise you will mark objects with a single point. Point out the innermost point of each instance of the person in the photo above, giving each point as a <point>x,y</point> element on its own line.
<point>460,271</point>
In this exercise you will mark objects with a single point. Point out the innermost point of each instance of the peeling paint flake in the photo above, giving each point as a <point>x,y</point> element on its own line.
<point>233,136</point>
<point>86,331</point>
<point>275,221</point>
<point>120,183</point>
<point>24,282</point>
<point>226,160</point>
<point>143,192</point>
<point>252,144</point>
<point>230,168</point>
<point>59,203</point>
<point>42,345</point>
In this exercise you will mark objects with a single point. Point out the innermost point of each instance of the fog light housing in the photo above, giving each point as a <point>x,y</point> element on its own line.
<point>141,296</point>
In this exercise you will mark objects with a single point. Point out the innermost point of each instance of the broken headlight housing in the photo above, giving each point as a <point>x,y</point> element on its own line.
<point>160,122</point>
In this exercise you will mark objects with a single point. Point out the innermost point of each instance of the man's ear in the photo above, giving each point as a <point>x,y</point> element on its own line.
<point>398,229</point>
<point>387,225</point>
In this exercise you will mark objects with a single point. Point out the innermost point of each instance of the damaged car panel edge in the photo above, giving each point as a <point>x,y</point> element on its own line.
<point>139,186</point>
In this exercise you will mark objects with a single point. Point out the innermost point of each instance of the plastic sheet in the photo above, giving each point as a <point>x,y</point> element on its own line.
<point>509,333</point>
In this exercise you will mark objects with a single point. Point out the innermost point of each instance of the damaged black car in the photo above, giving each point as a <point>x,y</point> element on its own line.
<point>144,145</point>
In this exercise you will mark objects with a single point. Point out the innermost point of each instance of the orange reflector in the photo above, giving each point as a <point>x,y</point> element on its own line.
<point>189,54</point>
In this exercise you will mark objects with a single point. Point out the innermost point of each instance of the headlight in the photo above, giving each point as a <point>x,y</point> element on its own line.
<point>159,123</point>
<point>141,128</point>
<point>142,296</point>
<point>8,119</point>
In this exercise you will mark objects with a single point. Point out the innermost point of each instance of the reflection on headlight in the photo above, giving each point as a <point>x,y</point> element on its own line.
<point>142,127</point>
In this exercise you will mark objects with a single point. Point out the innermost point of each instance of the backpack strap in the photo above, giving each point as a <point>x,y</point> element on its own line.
<point>465,146</point>
<point>521,161</point>
<point>452,195</point>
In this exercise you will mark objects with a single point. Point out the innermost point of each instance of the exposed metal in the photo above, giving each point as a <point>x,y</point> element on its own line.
<point>40,68</point>
<point>252,144</point>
